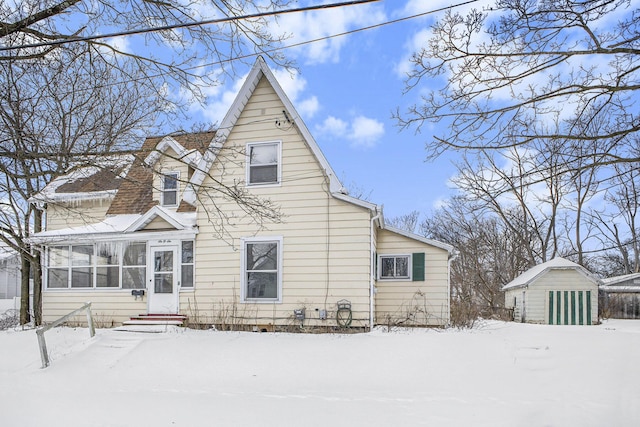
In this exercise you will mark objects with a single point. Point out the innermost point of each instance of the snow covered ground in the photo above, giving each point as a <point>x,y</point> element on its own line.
<point>498,374</point>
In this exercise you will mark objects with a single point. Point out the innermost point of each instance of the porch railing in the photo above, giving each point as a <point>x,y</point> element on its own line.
<point>44,355</point>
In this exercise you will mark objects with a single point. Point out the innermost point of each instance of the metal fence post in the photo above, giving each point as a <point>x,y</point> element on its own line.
<point>42,344</point>
<point>92,330</point>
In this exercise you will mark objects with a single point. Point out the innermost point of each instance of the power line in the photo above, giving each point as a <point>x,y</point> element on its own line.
<point>72,39</point>
<point>306,42</point>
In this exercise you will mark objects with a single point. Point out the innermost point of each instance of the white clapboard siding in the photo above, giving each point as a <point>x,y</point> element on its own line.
<point>413,302</point>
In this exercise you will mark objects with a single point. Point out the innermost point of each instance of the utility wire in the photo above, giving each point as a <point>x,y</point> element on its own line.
<point>302,43</point>
<point>73,39</point>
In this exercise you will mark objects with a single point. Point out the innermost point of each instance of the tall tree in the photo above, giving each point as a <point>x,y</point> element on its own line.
<point>491,254</point>
<point>68,97</point>
<point>58,112</point>
<point>514,68</point>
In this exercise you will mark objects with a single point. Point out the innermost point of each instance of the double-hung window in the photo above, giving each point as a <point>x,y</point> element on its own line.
<point>394,267</point>
<point>262,269</point>
<point>170,189</point>
<point>263,163</point>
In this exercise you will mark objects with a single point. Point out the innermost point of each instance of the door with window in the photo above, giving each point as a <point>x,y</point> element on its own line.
<point>164,281</point>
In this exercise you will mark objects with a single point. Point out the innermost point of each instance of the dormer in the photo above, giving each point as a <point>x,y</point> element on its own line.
<point>173,162</point>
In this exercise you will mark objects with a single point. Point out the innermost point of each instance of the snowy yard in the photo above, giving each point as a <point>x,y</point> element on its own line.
<point>499,374</point>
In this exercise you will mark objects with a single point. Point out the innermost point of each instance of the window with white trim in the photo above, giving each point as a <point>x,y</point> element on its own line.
<point>263,163</point>
<point>170,189</point>
<point>134,265</point>
<point>394,267</point>
<point>262,269</point>
<point>103,265</point>
<point>186,264</point>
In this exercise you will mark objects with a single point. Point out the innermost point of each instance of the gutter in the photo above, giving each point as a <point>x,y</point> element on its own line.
<point>372,288</point>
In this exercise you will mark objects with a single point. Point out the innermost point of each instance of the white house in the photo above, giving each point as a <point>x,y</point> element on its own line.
<point>557,292</point>
<point>620,296</point>
<point>162,233</point>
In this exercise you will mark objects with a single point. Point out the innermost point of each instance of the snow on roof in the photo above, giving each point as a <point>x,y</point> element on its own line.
<point>117,225</point>
<point>62,189</point>
<point>609,281</point>
<point>533,273</point>
<point>624,283</point>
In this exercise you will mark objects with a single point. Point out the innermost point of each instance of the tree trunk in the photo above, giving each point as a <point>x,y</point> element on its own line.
<point>25,316</point>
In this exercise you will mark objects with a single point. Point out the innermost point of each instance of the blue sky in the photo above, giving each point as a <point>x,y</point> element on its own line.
<point>346,91</point>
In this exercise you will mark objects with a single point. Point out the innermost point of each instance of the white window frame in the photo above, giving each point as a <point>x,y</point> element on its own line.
<point>407,278</point>
<point>93,266</point>
<point>278,164</point>
<point>192,264</point>
<point>164,175</point>
<point>243,269</point>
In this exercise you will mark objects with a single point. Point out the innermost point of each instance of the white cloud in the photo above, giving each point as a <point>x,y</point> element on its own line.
<point>323,23</point>
<point>365,131</point>
<point>361,132</point>
<point>333,126</point>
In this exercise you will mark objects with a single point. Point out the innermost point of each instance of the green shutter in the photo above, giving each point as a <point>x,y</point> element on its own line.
<point>418,267</point>
<point>551,307</point>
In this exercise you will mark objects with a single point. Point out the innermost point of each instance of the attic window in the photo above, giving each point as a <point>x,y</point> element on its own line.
<point>263,163</point>
<point>170,189</point>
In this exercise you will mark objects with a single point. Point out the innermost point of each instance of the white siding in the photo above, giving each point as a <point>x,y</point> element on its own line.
<point>109,308</point>
<point>413,302</point>
<point>75,214</point>
<point>325,241</point>
<point>536,296</point>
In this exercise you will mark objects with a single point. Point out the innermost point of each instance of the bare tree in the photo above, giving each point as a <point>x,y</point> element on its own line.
<point>407,222</point>
<point>69,97</point>
<point>57,113</point>
<point>619,221</point>
<point>515,67</point>
<point>491,255</point>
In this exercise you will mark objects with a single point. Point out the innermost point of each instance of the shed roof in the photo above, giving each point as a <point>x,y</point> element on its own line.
<point>557,263</point>
<point>624,283</point>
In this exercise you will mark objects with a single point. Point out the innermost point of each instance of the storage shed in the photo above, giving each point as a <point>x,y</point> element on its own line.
<point>620,296</point>
<point>557,292</point>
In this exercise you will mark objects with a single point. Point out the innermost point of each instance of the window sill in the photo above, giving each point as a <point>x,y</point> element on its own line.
<point>261,301</point>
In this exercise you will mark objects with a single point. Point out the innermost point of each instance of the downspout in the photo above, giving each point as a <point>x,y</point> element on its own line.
<point>452,256</point>
<point>372,274</point>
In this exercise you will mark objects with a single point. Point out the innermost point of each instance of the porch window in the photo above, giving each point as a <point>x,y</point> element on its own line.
<point>58,271</point>
<point>262,275</point>
<point>134,266</point>
<point>103,265</point>
<point>170,189</point>
<point>263,163</point>
<point>107,265</point>
<point>186,266</point>
<point>393,267</point>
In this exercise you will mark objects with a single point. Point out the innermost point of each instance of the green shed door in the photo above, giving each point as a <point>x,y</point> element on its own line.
<point>569,308</point>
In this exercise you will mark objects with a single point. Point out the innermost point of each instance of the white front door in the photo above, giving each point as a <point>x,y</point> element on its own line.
<point>163,284</point>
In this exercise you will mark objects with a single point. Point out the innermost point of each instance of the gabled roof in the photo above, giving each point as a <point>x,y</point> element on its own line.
<point>176,220</point>
<point>447,247</point>
<point>534,273</point>
<point>259,70</point>
<point>136,191</point>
